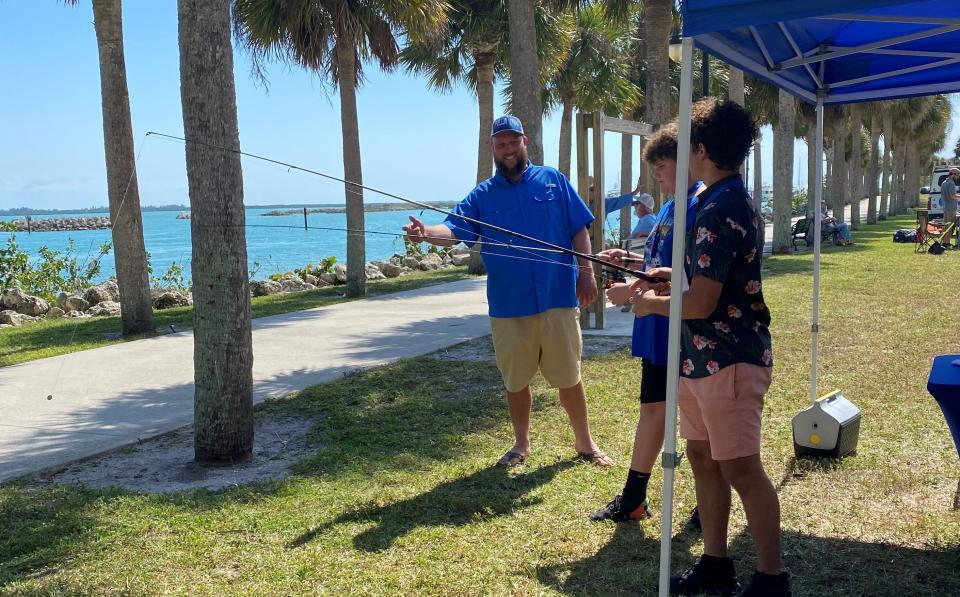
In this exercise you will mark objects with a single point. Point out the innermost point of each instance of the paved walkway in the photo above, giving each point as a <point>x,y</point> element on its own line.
<point>65,408</point>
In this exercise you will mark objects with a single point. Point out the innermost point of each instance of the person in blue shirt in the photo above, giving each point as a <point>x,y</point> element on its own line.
<point>532,296</point>
<point>650,332</point>
<point>645,209</point>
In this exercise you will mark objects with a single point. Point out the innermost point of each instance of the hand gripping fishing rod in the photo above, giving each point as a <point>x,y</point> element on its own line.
<point>561,249</point>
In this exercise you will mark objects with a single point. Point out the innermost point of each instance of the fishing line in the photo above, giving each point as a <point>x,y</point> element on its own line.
<point>123,199</point>
<point>585,256</point>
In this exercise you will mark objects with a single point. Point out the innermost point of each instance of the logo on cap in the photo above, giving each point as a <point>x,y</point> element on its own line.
<point>506,123</point>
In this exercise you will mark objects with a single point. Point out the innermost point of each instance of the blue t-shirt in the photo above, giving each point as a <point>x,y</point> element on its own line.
<point>644,226</point>
<point>723,247</point>
<point>646,223</point>
<point>521,280</point>
<point>650,331</point>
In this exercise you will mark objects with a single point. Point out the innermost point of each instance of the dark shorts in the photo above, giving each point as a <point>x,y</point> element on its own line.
<point>653,382</point>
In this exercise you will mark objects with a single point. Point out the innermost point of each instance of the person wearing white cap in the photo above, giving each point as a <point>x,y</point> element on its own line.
<point>948,191</point>
<point>645,208</point>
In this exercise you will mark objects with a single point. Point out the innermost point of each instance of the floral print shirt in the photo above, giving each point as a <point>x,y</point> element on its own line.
<point>723,247</point>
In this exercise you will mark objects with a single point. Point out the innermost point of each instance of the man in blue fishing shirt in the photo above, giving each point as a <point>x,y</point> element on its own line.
<point>533,295</point>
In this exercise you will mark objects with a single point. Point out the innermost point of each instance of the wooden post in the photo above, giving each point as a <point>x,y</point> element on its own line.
<point>304,218</point>
<point>600,215</point>
<point>583,183</point>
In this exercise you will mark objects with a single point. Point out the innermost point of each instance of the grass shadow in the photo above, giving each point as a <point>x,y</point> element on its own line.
<point>486,494</point>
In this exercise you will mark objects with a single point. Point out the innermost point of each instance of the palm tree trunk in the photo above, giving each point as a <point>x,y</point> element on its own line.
<point>757,173</point>
<point>626,181</point>
<point>658,19</point>
<point>873,166</point>
<point>838,192</point>
<point>525,73</point>
<point>736,87</point>
<point>566,136</point>
<point>886,172</point>
<point>856,166</point>
<point>136,307</point>
<point>352,169</point>
<point>912,185</point>
<point>223,352</point>
<point>896,190</point>
<point>812,158</point>
<point>783,175</point>
<point>485,62</point>
<point>737,93</point>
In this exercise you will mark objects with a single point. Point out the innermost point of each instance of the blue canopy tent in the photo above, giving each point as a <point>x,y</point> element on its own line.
<point>823,52</point>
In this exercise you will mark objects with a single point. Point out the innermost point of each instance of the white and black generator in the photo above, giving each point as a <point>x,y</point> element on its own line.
<point>829,428</point>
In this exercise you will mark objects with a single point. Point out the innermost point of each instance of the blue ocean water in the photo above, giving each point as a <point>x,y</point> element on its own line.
<point>271,248</point>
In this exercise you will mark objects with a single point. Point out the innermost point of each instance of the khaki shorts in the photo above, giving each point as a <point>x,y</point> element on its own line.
<point>948,217</point>
<point>725,409</point>
<point>549,342</point>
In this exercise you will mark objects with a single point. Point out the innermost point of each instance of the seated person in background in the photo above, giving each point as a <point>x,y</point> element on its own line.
<point>831,225</point>
<point>644,208</point>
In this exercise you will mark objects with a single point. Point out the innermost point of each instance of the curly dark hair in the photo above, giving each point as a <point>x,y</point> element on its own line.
<point>662,144</point>
<point>725,129</point>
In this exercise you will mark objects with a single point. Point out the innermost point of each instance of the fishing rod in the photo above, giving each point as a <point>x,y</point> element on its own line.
<point>561,249</point>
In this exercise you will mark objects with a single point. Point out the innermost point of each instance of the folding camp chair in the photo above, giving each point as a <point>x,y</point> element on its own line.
<point>932,237</point>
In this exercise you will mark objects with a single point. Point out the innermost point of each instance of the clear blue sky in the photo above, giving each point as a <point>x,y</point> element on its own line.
<point>414,143</point>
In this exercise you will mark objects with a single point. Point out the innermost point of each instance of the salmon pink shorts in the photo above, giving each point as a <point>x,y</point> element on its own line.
<point>725,409</point>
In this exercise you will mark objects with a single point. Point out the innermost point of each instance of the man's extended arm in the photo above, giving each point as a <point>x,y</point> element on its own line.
<point>438,234</point>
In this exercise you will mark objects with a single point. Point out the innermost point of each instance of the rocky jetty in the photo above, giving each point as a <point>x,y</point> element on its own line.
<point>18,308</point>
<point>61,224</point>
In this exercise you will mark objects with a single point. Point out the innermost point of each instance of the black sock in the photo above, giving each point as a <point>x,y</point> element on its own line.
<point>635,490</point>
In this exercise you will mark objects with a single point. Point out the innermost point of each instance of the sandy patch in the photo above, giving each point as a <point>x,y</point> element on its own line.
<point>165,464</point>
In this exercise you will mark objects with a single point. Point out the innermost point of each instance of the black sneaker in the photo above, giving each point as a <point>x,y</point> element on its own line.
<point>710,575</point>
<point>768,585</point>
<point>695,519</point>
<point>616,512</point>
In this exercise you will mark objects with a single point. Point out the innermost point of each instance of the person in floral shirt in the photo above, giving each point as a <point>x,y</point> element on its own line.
<point>726,357</point>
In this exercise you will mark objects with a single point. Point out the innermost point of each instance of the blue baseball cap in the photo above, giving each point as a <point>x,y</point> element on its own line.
<point>506,123</point>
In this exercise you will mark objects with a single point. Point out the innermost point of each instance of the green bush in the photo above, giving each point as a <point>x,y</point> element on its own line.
<point>53,272</point>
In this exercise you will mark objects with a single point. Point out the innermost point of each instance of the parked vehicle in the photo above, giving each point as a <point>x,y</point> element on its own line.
<point>934,200</point>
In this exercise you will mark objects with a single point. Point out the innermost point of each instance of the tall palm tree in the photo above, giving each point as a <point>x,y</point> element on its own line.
<point>470,51</point>
<point>838,188</point>
<point>473,49</point>
<point>762,101</point>
<point>886,177</point>
<point>130,256</point>
<point>595,74</point>
<point>736,92</point>
<point>658,22</point>
<point>855,167</point>
<point>223,350</point>
<point>783,174</point>
<point>333,38</point>
<point>525,73</point>
<point>875,114</point>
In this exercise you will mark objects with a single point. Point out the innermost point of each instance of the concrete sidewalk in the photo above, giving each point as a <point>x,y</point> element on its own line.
<point>65,408</point>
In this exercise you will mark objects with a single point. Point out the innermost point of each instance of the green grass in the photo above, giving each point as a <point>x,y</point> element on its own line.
<point>400,498</point>
<point>51,337</point>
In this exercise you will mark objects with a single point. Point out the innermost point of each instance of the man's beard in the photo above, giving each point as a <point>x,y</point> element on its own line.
<point>518,167</point>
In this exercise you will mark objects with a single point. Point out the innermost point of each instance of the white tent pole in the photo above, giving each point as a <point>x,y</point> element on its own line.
<point>670,458</point>
<point>815,326</point>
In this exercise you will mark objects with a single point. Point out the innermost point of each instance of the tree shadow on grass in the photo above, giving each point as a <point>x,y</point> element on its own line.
<point>41,528</point>
<point>838,566</point>
<point>629,565</point>
<point>487,493</point>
